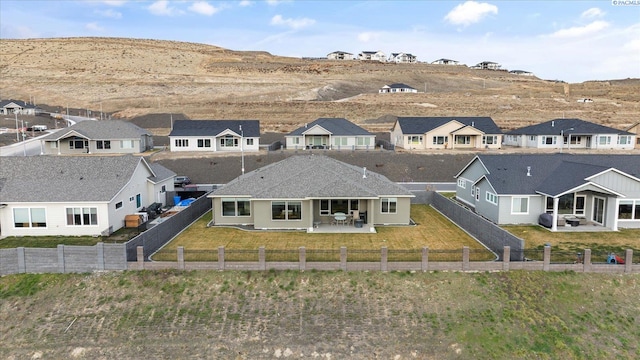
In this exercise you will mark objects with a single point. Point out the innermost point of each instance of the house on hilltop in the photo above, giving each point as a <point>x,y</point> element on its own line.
<point>570,134</point>
<point>402,58</point>
<point>310,192</point>
<point>9,107</point>
<point>215,135</point>
<point>98,137</point>
<point>397,88</point>
<point>340,55</point>
<point>521,72</point>
<point>446,133</point>
<point>330,133</point>
<point>593,192</point>
<point>82,195</point>
<point>445,62</point>
<point>372,56</point>
<point>487,65</point>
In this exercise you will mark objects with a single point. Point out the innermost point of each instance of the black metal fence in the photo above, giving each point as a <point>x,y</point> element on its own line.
<point>157,236</point>
<point>384,144</point>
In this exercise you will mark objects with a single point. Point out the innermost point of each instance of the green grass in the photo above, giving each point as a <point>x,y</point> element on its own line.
<point>120,236</point>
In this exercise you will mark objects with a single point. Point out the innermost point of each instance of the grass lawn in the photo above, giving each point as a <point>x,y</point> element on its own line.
<point>120,236</point>
<point>432,230</point>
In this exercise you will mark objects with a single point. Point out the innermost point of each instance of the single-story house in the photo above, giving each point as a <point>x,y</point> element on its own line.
<point>570,134</point>
<point>340,55</point>
<point>17,107</point>
<point>635,129</point>
<point>215,135</point>
<point>304,192</point>
<point>397,88</point>
<point>77,195</point>
<point>402,58</point>
<point>521,72</point>
<point>372,55</point>
<point>487,65</point>
<point>330,133</point>
<point>98,137</point>
<point>445,62</point>
<point>600,190</point>
<point>446,133</point>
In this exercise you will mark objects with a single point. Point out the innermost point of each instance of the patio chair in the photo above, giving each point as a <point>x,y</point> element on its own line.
<point>355,214</point>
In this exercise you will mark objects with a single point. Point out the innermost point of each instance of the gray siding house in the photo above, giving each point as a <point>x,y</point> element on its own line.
<point>306,192</point>
<point>330,133</point>
<point>98,137</point>
<point>602,191</point>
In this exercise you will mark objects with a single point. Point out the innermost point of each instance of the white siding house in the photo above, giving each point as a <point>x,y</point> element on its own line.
<point>331,133</point>
<point>215,135</point>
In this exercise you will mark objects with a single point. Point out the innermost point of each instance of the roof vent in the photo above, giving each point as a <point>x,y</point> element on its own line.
<point>473,124</point>
<point>364,172</point>
<point>553,123</point>
<point>528,170</point>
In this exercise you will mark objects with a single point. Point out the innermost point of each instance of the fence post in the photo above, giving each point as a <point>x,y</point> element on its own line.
<point>383,259</point>
<point>425,258</point>
<point>140,257</point>
<point>100,253</point>
<point>262,258</point>
<point>546,260</point>
<point>220,257</point>
<point>586,261</point>
<point>465,258</point>
<point>180,257</point>
<point>302,258</point>
<point>628,260</point>
<point>61,258</point>
<point>506,258</point>
<point>343,258</point>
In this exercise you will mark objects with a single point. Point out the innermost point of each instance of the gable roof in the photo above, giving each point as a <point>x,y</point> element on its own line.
<point>311,176</point>
<point>250,128</point>
<point>68,178</point>
<point>551,174</point>
<point>555,126</point>
<point>398,86</point>
<point>100,130</point>
<point>20,103</point>
<point>160,173</point>
<point>422,125</point>
<point>336,126</point>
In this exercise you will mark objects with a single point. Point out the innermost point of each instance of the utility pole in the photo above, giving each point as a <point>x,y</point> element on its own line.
<point>242,147</point>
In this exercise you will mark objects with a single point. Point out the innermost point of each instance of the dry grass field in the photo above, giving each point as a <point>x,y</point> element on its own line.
<point>130,77</point>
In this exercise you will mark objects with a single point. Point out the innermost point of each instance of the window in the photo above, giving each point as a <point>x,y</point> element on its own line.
<point>103,144</point>
<point>604,140</point>
<point>339,205</point>
<point>296,141</point>
<point>532,138</point>
<point>520,205</point>
<point>439,140</point>
<point>624,140</point>
<point>250,142</point>
<point>363,141</point>
<point>629,210</point>
<point>286,210</point>
<point>182,142</point>
<point>489,140</point>
<point>324,207</point>
<point>549,140</point>
<point>340,140</point>
<point>462,183</point>
<point>29,217</point>
<point>204,143</point>
<point>82,216</point>
<point>236,207</point>
<point>138,200</point>
<point>78,143</point>
<point>415,140</point>
<point>126,144</point>
<point>388,205</point>
<point>492,198</point>
<point>118,205</point>
<point>228,141</point>
<point>163,189</point>
<point>54,144</point>
<point>575,140</point>
<point>131,198</point>
<point>477,194</point>
<point>463,139</point>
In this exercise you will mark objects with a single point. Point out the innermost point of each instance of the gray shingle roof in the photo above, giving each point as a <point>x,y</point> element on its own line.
<point>336,126</point>
<point>101,130</point>
<point>250,128</point>
<point>161,173</point>
<point>551,174</point>
<point>555,126</point>
<point>422,125</point>
<point>399,86</point>
<point>311,176</point>
<point>64,178</point>
<point>20,103</point>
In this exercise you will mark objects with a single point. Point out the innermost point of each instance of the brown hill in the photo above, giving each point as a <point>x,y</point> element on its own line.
<point>132,77</point>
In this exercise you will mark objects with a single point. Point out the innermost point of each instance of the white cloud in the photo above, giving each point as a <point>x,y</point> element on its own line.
<point>276,2</point>
<point>592,13</point>
<point>368,36</point>
<point>245,3</point>
<point>114,2</point>
<point>203,8</point>
<point>292,23</point>
<point>578,31</point>
<point>93,26</point>
<point>470,12</point>
<point>109,13</point>
<point>162,8</point>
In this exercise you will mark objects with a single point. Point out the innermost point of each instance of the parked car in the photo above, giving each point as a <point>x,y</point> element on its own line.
<point>181,181</point>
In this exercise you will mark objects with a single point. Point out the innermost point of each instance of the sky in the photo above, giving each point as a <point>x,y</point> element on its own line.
<point>573,41</point>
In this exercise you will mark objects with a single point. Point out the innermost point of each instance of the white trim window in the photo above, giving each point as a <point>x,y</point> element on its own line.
<point>249,142</point>
<point>629,210</point>
<point>549,140</point>
<point>439,140</point>
<point>624,140</point>
<point>489,140</point>
<point>363,141</point>
<point>520,205</point>
<point>462,183</point>
<point>86,216</point>
<point>204,143</point>
<point>604,140</point>
<point>236,207</point>
<point>491,198</point>
<point>29,217</point>
<point>388,205</point>
<point>182,142</point>
<point>286,210</point>
<point>414,139</point>
<point>340,140</point>
<point>126,144</point>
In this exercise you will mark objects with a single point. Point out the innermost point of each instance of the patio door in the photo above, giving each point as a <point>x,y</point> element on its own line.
<point>598,210</point>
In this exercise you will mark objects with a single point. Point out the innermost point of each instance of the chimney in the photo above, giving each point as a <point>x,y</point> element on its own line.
<point>364,172</point>
<point>528,170</point>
